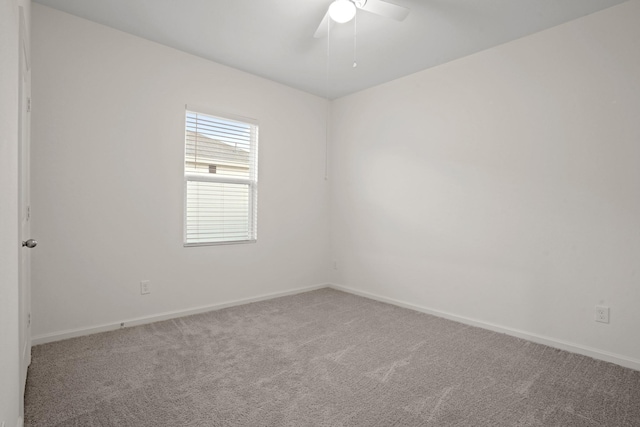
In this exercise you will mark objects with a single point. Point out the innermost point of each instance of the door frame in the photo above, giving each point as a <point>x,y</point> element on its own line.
<point>24,203</point>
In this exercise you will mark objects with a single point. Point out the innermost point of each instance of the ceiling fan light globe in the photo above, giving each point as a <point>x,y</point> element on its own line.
<point>342,11</point>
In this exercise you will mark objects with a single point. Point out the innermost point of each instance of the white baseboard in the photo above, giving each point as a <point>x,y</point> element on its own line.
<point>72,333</point>
<point>618,359</point>
<point>551,342</point>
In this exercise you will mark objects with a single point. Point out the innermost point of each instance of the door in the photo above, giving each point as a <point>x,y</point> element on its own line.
<point>24,205</point>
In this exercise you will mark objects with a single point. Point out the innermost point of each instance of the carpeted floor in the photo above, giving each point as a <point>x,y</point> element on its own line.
<point>321,358</point>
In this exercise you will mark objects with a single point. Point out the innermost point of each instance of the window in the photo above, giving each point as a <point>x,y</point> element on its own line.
<point>221,179</point>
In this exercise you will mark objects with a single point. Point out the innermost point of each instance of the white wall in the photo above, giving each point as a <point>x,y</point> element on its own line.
<point>10,406</point>
<point>503,187</point>
<point>107,159</point>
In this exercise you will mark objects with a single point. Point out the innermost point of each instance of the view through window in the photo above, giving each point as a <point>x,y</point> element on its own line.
<point>221,180</point>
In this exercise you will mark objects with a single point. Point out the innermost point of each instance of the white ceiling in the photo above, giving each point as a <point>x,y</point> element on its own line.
<point>274,38</point>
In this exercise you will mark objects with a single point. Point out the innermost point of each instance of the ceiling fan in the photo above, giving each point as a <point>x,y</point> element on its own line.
<point>344,10</point>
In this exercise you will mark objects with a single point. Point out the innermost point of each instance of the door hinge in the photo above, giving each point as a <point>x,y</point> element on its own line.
<point>29,105</point>
<point>28,213</point>
<point>28,320</point>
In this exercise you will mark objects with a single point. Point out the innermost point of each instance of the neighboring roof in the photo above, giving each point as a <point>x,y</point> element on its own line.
<point>214,151</point>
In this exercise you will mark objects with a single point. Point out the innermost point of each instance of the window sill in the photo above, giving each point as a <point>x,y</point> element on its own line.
<point>234,242</point>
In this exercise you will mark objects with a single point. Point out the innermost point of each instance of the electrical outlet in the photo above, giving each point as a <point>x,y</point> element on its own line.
<point>145,287</point>
<point>602,314</point>
<point>335,265</point>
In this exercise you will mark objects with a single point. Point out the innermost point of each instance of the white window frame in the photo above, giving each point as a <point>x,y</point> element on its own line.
<point>251,182</point>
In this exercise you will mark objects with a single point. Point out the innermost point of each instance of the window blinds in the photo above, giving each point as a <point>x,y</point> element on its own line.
<point>220,179</point>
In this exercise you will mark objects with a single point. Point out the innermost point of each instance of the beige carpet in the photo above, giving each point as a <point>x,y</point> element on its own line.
<point>322,358</point>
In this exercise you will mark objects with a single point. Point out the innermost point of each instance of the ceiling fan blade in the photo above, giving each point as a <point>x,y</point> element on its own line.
<point>385,9</point>
<point>322,28</point>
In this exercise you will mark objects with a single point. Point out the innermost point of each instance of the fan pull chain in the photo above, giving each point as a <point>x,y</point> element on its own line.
<point>328,58</point>
<point>355,38</point>
<point>328,111</point>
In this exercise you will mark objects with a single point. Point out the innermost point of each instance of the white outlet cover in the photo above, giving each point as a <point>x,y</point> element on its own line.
<point>602,314</point>
<point>145,287</point>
